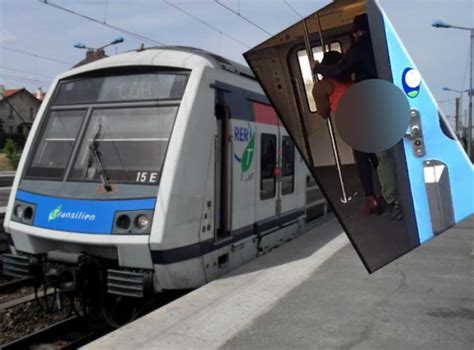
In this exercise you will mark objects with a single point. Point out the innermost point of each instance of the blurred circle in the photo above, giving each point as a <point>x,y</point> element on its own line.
<point>372,116</point>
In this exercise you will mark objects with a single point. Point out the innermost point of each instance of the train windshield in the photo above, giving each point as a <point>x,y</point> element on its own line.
<point>129,141</point>
<point>117,127</point>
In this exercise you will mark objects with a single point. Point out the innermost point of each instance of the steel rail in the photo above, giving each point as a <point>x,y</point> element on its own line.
<point>55,332</point>
<point>10,286</point>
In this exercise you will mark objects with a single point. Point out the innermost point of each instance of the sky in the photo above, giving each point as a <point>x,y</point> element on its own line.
<point>441,55</point>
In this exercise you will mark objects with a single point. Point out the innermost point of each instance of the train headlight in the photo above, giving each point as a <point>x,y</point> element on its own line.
<point>28,213</point>
<point>19,211</point>
<point>23,212</point>
<point>123,222</point>
<point>135,222</point>
<point>142,222</point>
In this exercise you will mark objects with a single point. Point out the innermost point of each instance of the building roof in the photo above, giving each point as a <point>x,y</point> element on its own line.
<point>39,93</point>
<point>12,92</point>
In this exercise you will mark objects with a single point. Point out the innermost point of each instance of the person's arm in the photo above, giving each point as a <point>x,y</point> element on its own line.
<point>321,92</point>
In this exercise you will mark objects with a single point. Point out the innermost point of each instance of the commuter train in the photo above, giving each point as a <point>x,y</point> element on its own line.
<point>154,170</point>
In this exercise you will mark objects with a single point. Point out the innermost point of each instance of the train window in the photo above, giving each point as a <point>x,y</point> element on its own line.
<point>131,143</point>
<point>267,166</point>
<point>121,88</point>
<point>287,166</point>
<point>305,69</point>
<point>78,91</point>
<point>55,148</point>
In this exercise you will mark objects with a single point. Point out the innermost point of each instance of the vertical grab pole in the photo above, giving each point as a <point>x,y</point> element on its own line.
<point>301,117</point>
<point>337,159</point>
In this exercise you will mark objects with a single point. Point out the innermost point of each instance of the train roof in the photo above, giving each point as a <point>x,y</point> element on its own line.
<point>217,60</point>
<point>169,56</point>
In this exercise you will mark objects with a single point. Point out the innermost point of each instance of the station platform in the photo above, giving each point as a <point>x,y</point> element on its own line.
<point>314,293</point>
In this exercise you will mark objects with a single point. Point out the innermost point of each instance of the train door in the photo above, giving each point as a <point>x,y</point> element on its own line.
<point>406,181</point>
<point>235,174</point>
<point>235,185</point>
<point>288,200</point>
<point>222,170</point>
<point>267,151</point>
<point>276,195</point>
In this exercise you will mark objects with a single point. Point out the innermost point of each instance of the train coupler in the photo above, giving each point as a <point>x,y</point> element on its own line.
<point>66,271</point>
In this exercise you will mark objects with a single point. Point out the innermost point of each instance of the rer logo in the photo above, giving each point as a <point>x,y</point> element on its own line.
<point>245,135</point>
<point>411,81</point>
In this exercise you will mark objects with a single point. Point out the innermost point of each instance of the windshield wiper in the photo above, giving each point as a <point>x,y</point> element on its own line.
<point>94,148</point>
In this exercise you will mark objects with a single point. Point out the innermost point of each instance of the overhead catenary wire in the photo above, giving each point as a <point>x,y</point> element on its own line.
<point>237,13</point>
<point>23,71</point>
<point>35,55</point>
<point>206,24</point>
<point>293,9</point>
<point>20,78</point>
<point>449,100</point>
<point>104,23</point>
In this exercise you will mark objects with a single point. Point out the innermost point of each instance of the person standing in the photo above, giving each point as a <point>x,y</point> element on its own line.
<point>360,61</point>
<point>327,94</point>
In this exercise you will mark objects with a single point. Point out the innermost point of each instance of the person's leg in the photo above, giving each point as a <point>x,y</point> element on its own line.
<point>387,173</point>
<point>373,159</point>
<point>387,176</point>
<point>364,170</point>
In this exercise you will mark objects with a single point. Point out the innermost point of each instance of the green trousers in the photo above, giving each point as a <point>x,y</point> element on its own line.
<point>387,173</point>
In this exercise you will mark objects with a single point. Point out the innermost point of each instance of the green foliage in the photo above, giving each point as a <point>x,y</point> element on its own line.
<point>12,152</point>
<point>18,138</point>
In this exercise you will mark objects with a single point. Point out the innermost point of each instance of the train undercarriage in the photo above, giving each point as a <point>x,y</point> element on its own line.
<point>77,283</point>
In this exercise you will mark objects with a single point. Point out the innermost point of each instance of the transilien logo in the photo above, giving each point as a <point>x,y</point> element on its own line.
<point>54,214</point>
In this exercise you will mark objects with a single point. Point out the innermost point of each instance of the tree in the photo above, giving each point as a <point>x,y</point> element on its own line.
<point>12,152</point>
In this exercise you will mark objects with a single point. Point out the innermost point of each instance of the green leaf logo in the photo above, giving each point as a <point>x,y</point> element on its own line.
<point>247,156</point>
<point>54,214</point>
<point>413,93</point>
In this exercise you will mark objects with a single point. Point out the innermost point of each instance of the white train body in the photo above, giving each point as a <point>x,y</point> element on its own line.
<point>203,177</point>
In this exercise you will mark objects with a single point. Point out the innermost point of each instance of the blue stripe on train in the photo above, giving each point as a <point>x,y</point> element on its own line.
<point>80,215</point>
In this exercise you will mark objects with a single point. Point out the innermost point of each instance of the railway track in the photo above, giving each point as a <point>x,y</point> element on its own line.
<point>74,331</point>
<point>70,333</point>
<point>10,286</point>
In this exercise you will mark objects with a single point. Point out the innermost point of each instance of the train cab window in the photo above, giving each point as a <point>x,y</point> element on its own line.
<point>131,143</point>
<point>287,166</point>
<point>267,166</point>
<point>121,88</point>
<point>54,150</point>
<point>305,69</point>
<point>125,140</point>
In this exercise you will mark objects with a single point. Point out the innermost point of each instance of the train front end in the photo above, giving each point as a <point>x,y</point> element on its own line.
<point>83,201</point>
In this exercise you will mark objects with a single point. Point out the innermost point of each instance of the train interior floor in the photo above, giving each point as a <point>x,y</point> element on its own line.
<point>369,233</point>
